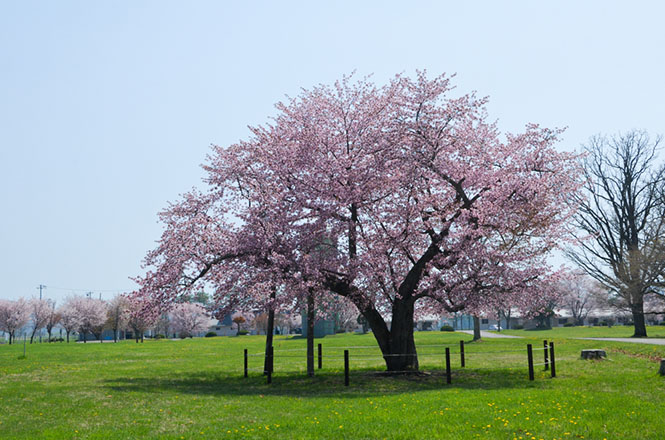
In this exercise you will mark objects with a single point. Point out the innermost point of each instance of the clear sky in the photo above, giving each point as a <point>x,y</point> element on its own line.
<point>107,109</point>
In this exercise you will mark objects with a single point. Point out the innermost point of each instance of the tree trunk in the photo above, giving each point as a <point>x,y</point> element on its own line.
<point>115,335</point>
<point>269,334</point>
<point>68,337</point>
<point>476,328</point>
<point>638,320</point>
<point>141,337</point>
<point>402,355</point>
<point>311,316</point>
<point>32,336</point>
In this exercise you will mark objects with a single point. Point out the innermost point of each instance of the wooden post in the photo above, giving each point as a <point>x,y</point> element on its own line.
<point>529,352</point>
<point>320,357</point>
<point>461,353</point>
<point>270,363</point>
<point>448,378</point>
<point>346,368</point>
<point>245,362</point>
<point>547,363</point>
<point>552,361</point>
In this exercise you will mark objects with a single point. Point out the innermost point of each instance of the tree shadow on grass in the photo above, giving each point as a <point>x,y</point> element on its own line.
<point>326,384</point>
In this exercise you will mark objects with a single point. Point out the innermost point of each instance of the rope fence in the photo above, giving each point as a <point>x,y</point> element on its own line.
<point>549,360</point>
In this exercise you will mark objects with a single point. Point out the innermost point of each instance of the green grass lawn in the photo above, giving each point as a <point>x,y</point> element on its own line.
<point>194,389</point>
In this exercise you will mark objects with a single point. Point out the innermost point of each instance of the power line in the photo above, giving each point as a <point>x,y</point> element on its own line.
<point>71,289</point>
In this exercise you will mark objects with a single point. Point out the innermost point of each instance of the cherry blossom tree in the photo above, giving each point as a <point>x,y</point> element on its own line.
<point>188,319</point>
<point>141,315</point>
<point>14,315</point>
<point>40,310</point>
<point>53,319</point>
<point>91,314</point>
<point>401,199</point>
<point>581,295</point>
<point>69,316</point>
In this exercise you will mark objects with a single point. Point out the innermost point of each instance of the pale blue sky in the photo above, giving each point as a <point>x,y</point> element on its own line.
<point>108,108</point>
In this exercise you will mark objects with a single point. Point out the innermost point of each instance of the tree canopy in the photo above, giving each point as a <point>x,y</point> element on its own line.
<point>400,198</point>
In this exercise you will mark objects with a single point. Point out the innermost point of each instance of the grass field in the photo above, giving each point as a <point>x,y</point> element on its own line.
<point>194,389</point>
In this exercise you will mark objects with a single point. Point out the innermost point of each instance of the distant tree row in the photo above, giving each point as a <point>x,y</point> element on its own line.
<point>85,316</point>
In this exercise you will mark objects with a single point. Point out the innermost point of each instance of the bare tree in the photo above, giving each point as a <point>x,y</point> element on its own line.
<point>505,313</point>
<point>116,314</point>
<point>163,325</point>
<point>623,219</point>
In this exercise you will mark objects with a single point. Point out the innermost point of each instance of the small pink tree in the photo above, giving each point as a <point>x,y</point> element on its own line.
<point>141,314</point>
<point>69,316</point>
<point>580,295</point>
<point>188,319</point>
<point>40,310</point>
<point>91,315</point>
<point>52,320</point>
<point>14,315</point>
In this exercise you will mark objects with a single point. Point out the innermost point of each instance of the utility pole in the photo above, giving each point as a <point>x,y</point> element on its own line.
<point>41,287</point>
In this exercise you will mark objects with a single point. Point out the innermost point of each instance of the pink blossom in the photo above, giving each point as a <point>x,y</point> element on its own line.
<point>400,199</point>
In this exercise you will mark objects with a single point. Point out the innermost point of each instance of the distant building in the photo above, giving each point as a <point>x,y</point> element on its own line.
<point>223,327</point>
<point>322,327</point>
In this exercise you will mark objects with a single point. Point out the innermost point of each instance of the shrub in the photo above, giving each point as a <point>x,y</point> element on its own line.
<point>662,323</point>
<point>159,336</point>
<point>518,327</point>
<point>603,323</point>
<point>211,335</point>
<point>447,328</point>
<point>242,332</point>
<point>569,324</point>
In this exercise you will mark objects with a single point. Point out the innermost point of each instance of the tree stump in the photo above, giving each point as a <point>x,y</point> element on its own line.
<point>593,354</point>
<point>662,367</point>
